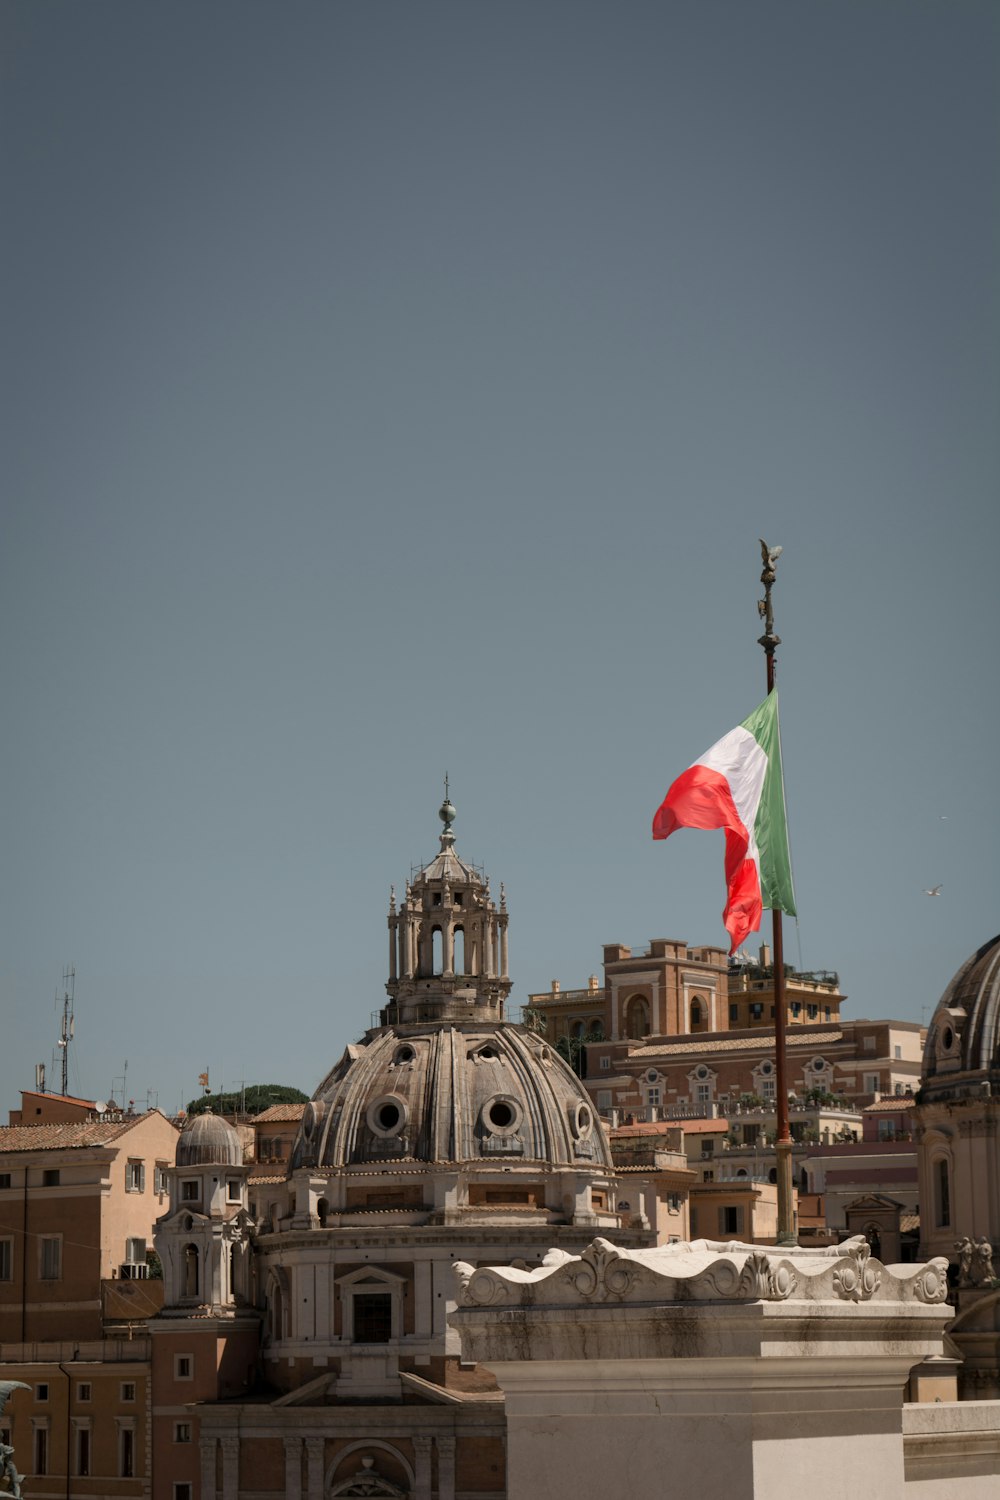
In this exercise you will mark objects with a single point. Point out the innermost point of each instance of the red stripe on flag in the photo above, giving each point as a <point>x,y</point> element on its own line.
<point>701,798</point>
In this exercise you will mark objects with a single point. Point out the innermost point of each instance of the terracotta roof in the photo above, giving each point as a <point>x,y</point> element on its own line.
<point>891,1106</point>
<point>761,1039</point>
<point>908,1222</point>
<point>280,1114</point>
<point>72,1133</point>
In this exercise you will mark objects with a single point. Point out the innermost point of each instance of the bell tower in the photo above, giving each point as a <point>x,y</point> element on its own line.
<point>447,941</point>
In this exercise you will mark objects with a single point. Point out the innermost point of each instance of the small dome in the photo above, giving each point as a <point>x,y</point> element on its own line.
<point>209,1140</point>
<point>452,1095</point>
<point>964,1034</point>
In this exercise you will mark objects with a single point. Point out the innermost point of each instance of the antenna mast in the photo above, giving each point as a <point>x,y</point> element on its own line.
<point>66,1029</point>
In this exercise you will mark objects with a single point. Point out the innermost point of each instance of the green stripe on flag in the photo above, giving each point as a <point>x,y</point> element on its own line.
<point>771,831</point>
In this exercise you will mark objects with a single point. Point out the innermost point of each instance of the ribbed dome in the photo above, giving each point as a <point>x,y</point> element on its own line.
<point>209,1140</point>
<point>451,1094</point>
<point>964,1034</point>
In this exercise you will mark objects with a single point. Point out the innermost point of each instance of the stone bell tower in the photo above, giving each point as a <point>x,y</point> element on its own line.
<point>447,942</point>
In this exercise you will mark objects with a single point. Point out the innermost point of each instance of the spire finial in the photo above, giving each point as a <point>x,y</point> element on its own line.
<point>446,813</point>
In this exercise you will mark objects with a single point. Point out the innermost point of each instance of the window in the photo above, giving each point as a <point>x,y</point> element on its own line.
<point>50,1257</point>
<point>706,1176</point>
<point>234,1190</point>
<point>135,1252</point>
<point>731,1220</point>
<point>83,1391</point>
<point>126,1450</point>
<point>135,1177</point>
<point>756,1010</point>
<point>942,1194</point>
<point>796,1009</point>
<point>182,1367</point>
<point>812,1011</point>
<point>887,1130</point>
<point>606,1064</point>
<point>182,1492</point>
<point>674,1202</point>
<point>41,1448</point>
<point>653,1096</point>
<point>372,1318</point>
<point>768,1088</point>
<point>868,1044</point>
<point>182,1432</point>
<point>734,1013</point>
<point>872,1083</point>
<point>83,1449</point>
<point>4,1179</point>
<point>160,1177</point>
<point>6,1260</point>
<point>900,1088</point>
<point>603,1099</point>
<point>897,1053</point>
<point>42,1391</point>
<point>708,1148</point>
<point>50,1177</point>
<point>128,1390</point>
<point>190,1191</point>
<point>703,1092</point>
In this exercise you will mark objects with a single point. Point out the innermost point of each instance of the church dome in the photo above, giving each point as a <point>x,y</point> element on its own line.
<point>964,1034</point>
<point>451,1095</point>
<point>209,1140</point>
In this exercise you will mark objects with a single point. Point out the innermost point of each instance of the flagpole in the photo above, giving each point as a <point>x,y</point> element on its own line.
<point>783,1142</point>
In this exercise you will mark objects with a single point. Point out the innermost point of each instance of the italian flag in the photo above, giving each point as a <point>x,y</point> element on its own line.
<point>737,785</point>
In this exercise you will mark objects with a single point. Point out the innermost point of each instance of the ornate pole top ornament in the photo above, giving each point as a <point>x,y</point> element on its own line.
<point>770,556</point>
<point>446,812</point>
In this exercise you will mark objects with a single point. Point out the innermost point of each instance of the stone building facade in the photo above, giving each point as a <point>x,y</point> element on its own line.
<point>446,1133</point>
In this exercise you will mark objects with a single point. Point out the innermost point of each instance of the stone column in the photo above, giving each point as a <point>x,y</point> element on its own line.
<point>446,1468</point>
<point>293,1468</point>
<point>503,948</point>
<point>230,1467</point>
<point>422,1466</point>
<point>207,1455</point>
<point>314,1468</point>
<point>393,945</point>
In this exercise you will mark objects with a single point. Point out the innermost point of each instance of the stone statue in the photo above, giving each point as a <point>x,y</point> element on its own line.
<point>9,1476</point>
<point>965,1250</point>
<point>982,1271</point>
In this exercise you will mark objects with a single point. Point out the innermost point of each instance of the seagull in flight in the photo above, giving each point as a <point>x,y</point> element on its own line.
<point>934,890</point>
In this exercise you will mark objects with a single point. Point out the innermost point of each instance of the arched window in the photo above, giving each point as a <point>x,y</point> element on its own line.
<point>460,951</point>
<point>437,951</point>
<point>191,1278</point>
<point>697,1015</point>
<point>636,1017</point>
<point>322,1212</point>
<point>577,1029</point>
<point>596,1033</point>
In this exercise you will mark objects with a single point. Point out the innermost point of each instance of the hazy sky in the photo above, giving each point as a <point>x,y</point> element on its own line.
<point>401,388</point>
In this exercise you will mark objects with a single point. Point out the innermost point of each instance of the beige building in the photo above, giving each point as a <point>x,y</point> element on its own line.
<point>680,1031</point>
<point>79,1193</point>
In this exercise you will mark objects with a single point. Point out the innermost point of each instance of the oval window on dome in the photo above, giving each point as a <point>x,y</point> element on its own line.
<point>404,1055</point>
<point>582,1119</point>
<point>501,1115</point>
<point>947,1038</point>
<point>386,1116</point>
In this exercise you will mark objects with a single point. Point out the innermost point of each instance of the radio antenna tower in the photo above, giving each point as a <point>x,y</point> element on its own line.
<point>66,1029</point>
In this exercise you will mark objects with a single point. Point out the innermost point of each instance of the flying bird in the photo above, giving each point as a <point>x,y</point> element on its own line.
<point>934,890</point>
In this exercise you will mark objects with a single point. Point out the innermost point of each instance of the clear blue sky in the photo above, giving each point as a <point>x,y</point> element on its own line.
<point>400,388</point>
